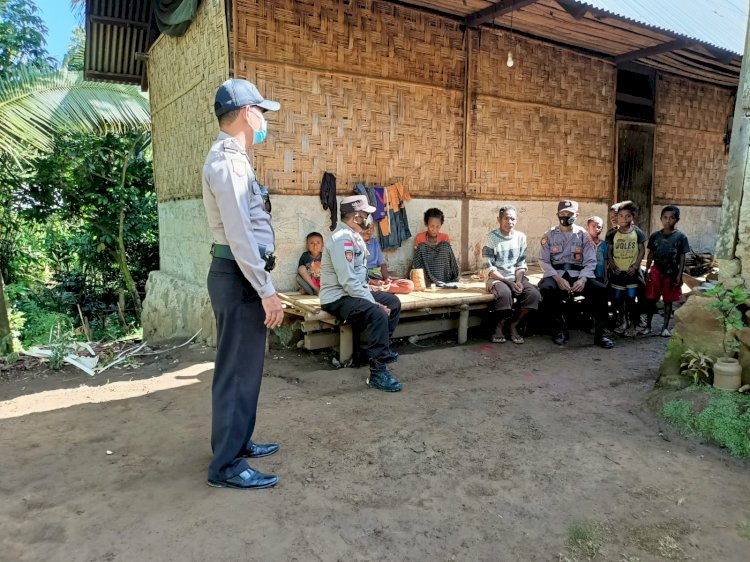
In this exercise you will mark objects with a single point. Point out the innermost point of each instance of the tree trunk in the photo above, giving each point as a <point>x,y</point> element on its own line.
<point>122,261</point>
<point>120,255</point>
<point>6,339</point>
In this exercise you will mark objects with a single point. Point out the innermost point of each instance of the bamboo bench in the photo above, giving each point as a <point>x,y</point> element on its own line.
<point>422,312</point>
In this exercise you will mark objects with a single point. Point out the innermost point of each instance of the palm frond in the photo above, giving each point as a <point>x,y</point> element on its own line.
<point>35,104</point>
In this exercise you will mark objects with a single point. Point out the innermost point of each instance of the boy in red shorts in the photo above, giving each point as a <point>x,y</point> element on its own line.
<point>666,249</point>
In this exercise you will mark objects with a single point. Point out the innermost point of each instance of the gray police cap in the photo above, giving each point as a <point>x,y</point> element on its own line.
<point>236,94</point>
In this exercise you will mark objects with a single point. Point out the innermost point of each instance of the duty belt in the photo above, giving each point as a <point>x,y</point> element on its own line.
<point>223,251</point>
<point>568,266</point>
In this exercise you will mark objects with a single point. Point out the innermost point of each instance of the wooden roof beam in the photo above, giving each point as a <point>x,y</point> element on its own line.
<point>674,45</point>
<point>104,20</point>
<point>494,11</point>
<point>574,8</point>
<point>724,57</point>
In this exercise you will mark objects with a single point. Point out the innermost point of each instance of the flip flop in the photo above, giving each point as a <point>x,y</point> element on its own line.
<point>516,339</point>
<point>498,339</point>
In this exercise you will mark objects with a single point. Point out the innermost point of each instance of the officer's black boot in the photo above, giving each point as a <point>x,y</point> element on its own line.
<point>561,334</point>
<point>382,379</point>
<point>600,339</point>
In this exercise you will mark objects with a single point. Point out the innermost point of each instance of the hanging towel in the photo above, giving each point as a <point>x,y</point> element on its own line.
<point>328,196</point>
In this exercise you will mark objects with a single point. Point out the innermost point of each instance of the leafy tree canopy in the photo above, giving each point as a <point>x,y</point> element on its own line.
<point>22,34</point>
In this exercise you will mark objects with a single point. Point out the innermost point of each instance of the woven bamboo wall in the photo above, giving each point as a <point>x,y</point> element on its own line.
<point>183,75</point>
<point>690,157</point>
<point>543,129</point>
<point>370,91</point>
<point>374,91</point>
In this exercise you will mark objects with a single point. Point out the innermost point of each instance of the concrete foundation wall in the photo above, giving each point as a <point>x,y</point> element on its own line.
<point>700,225</point>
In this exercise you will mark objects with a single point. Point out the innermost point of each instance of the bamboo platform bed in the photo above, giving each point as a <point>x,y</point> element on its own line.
<point>422,312</point>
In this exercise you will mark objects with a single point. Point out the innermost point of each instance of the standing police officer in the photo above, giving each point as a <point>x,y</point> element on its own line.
<point>243,299</point>
<point>344,291</point>
<point>568,259</point>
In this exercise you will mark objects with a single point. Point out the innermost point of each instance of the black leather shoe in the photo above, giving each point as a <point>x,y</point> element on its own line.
<point>382,379</point>
<point>248,479</point>
<point>604,342</point>
<point>559,338</point>
<point>257,450</point>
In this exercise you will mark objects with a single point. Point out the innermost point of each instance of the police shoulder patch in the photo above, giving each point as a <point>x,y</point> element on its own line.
<point>544,241</point>
<point>349,250</point>
<point>238,166</point>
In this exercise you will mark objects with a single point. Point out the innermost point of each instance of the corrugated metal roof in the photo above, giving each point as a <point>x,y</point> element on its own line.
<point>721,23</point>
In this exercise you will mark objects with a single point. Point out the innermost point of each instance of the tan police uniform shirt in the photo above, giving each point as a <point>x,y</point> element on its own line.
<point>235,210</point>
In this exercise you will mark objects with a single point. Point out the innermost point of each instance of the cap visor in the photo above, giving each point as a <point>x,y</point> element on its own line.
<point>270,105</point>
<point>368,209</point>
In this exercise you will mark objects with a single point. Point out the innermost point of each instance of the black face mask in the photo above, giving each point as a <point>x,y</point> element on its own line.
<point>567,221</point>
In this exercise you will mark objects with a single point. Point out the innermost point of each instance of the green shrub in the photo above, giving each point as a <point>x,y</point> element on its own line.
<point>680,414</point>
<point>725,420</point>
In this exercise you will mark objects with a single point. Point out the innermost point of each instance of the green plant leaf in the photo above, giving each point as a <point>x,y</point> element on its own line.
<point>35,104</point>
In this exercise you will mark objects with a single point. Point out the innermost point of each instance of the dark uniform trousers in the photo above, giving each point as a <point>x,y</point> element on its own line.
<point>594,292</point>
<point>363,315</point>
<point>238,369</point>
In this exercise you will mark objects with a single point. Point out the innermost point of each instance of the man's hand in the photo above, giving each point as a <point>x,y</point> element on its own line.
<point>578,285</point>
<point>274,312</point>
<point>633,269</point>
<point>387,310</point>
<point>647,277</point>
<point>677,282</point>
<point>562,284</point>
<point>516,287</point>
<point>615,269</point>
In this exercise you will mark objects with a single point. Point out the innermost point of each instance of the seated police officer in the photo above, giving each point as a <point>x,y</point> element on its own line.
<point>344,291</point>
<point>568,259</point>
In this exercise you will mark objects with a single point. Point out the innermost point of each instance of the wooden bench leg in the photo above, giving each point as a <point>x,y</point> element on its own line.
<point>463,324</point>
<point>346,343</point>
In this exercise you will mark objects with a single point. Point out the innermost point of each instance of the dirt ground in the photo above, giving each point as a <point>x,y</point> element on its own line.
<point>492,452</point>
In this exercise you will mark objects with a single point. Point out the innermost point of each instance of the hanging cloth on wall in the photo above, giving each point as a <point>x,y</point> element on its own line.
<point>328,196</point>
<point>173,17</point>
<point>380,203</point>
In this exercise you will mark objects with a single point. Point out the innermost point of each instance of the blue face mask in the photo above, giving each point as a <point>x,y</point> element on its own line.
<point>260,136</point>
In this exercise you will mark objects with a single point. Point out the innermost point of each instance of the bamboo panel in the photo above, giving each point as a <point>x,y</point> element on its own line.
<point>375,38</point>
<point>543,73</point>
<point>690,155</point>
<point>359,129</point>
<point>693,105</point>
<point>184,73</point>
<point>689,166</point>
<point>531,152</point>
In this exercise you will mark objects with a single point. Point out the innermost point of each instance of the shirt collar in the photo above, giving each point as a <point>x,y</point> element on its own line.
<point>224,136</point>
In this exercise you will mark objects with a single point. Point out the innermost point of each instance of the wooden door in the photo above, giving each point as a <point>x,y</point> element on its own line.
<point>635,167</point>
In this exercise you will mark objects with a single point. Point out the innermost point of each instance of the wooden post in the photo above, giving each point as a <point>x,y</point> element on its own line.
<point>735,179</point>
<point>465,219</point>
<point>346,343</point>
<point>463,324</point>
